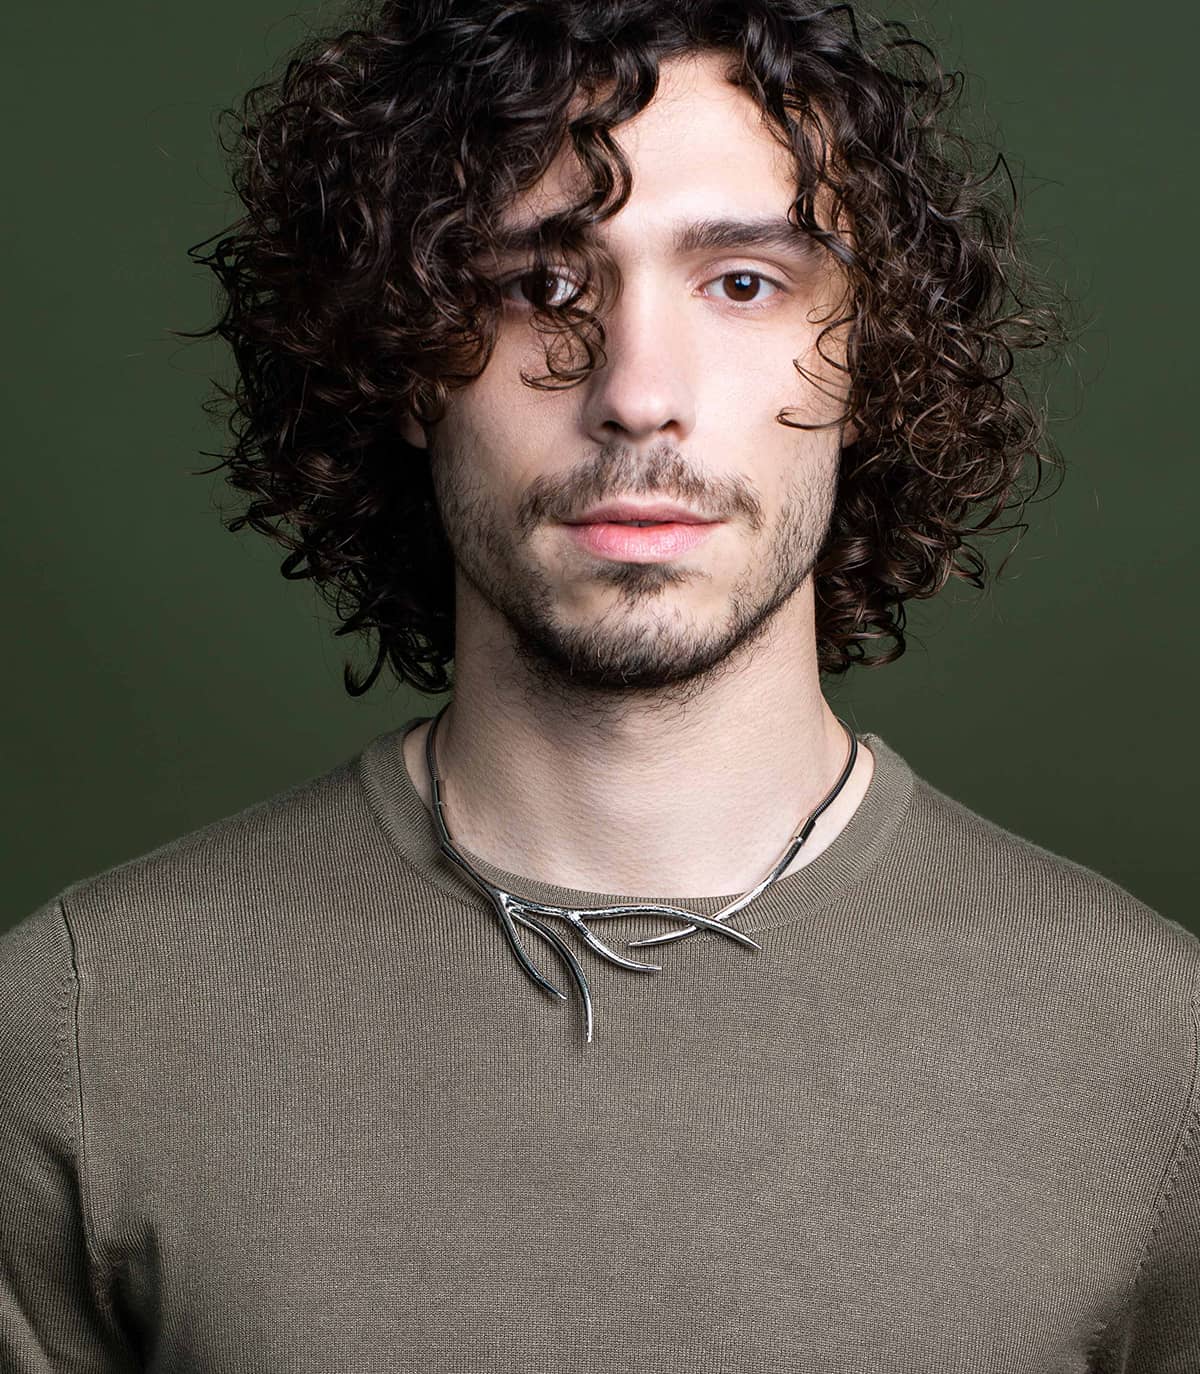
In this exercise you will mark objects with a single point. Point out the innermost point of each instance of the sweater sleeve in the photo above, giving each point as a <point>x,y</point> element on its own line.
<point>1164,1336</point>
<point>54,1312</point>
<point>1160,1332</point>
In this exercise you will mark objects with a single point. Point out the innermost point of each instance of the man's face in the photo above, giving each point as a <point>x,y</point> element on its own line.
<point>700,346</point>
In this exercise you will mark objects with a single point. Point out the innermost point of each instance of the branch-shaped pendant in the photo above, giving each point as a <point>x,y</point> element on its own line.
<point>517,911</point>
<point>514,911</point>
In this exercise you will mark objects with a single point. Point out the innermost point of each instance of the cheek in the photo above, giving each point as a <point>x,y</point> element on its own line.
<point>741,398</point>
<point>496,445</point>
<point>758,365</point>
<point>505,413</point>
<point>814,388</point>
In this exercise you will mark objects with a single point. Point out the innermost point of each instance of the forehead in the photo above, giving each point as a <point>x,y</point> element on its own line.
<point>699,151</point>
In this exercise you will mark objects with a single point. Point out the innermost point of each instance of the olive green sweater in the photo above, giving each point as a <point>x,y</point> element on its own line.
<point>277,1098</point>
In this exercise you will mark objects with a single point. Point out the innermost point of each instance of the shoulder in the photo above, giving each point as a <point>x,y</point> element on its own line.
<point>1084,990</point>
<point>36,972</point>
<point>271,859</point>
<point>1030,903</point>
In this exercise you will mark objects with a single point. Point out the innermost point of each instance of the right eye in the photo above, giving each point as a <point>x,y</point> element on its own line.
<point>525,282</point>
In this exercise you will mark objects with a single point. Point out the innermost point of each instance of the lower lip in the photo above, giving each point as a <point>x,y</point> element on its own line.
<point>641,544</point>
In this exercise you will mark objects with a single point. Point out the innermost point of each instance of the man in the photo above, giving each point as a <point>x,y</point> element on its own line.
<point>362,1078</point>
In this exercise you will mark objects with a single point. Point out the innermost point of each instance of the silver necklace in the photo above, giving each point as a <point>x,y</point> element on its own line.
<point>517,911</point>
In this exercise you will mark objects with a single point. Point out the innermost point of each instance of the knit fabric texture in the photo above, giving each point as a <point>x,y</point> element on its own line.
<point>277,1098</point>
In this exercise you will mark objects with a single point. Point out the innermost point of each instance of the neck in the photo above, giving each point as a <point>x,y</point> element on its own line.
<point>692,800</point>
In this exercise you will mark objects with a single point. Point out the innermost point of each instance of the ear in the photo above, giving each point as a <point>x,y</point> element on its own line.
<point>412,432</point>
<point>850,434</point>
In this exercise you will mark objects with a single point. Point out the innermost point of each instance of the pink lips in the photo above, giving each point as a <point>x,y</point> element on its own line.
<point>640,544</point>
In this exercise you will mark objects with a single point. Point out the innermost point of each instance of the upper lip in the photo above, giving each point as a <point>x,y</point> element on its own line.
<point>663,511</point>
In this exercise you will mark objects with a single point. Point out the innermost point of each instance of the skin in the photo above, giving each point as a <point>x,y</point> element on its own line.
<point>652,729</point>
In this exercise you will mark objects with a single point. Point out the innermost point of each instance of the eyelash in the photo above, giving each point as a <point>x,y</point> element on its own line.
<point>745,306</point>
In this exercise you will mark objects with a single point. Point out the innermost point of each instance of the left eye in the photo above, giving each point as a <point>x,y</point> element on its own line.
<point>745,282</point>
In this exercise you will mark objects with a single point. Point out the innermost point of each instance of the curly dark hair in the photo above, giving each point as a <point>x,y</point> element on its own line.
<point>372,170</point>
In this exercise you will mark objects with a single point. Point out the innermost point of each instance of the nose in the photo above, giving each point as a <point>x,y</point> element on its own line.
<point>646,385</point>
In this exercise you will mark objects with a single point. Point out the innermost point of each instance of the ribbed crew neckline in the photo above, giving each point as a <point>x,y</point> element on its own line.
<point>852,853</point>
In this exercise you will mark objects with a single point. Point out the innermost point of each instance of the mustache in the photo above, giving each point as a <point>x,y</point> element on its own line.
<point>619,471</point>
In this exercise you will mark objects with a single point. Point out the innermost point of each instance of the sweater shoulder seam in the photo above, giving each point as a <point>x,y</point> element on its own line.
<point>76,1113</point>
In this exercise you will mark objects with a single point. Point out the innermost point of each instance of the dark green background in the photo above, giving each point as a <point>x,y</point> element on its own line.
<point>162,673</point>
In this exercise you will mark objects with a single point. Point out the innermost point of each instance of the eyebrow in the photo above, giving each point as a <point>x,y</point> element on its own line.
<point>696,236</point>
